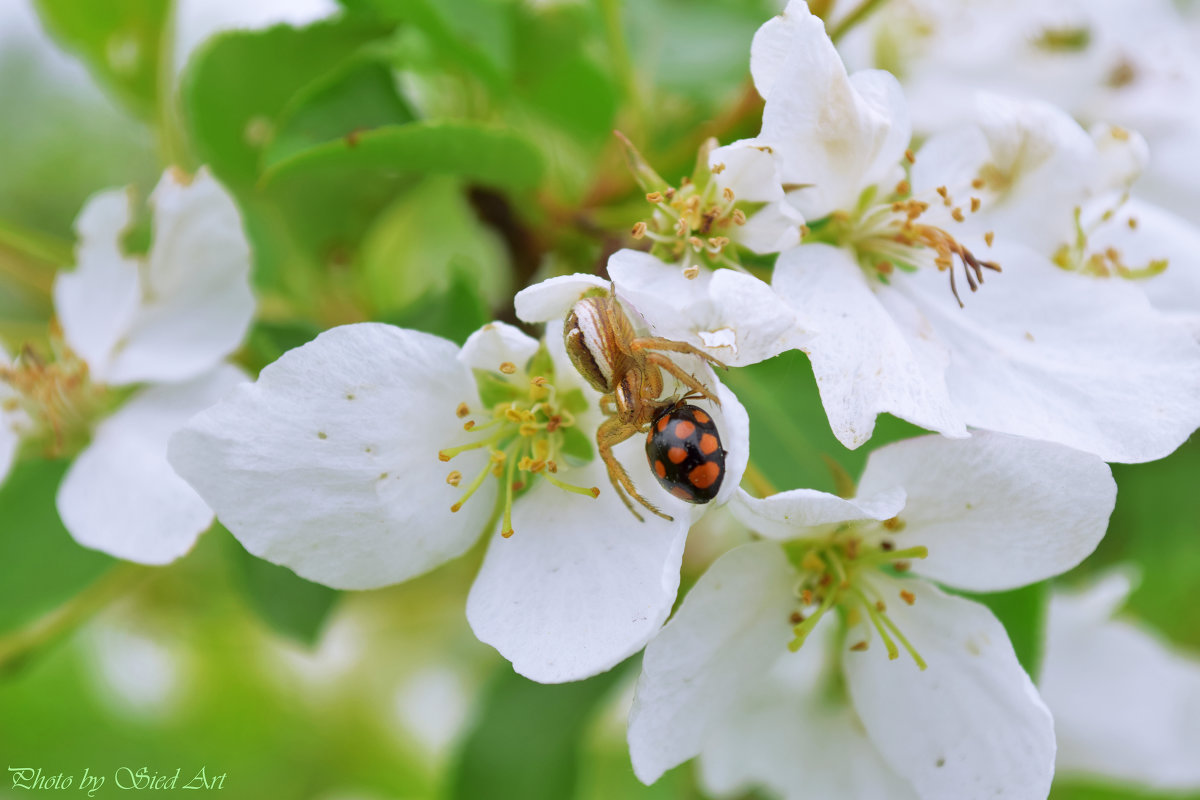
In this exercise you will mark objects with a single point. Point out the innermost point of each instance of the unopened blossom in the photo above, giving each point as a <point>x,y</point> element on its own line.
<point>373,454</point>
<point>139,346</point>
<point>1125,703</point>
<point>914,312</point>
<point>825,661</point>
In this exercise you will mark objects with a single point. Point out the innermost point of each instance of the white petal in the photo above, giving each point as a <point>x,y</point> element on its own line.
<point>1082,361</point>
<point>831,133</point>
<point>581,584</point>
<point>9,436</point>
<point>729,631</point>
<point>196,302</point>
<point>553,297</point>
<point>805,513</point>
<point>969,727</point>
<point>787,735</point>
<point>772,229</point>
<point>121,496</point>
<point>329,464</point>
<point>1121,154</point>
<point>496,343</point>
<point>995,511</point>
<point>733,423</point>
<point>735,318</point>
<point>96,302</point>
<point>1125,703</point>
<point>862,360</point>
<point>1159,234</point>
<point>749,171</point>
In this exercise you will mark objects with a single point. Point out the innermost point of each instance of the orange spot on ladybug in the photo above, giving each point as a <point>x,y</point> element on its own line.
<point>708,444</point>
<point>701,417</point>
<point>660,469</point>
<point>662,422</point>
<point>681,493</point>
<point>677,455</point>
<point>705,475</point>
<point>684,429</point>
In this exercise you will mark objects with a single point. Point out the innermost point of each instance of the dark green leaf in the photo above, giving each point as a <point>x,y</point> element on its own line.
<point>490,156</point>
<point>526,741</point>
<point>289,604</point>
<point>41,566</point>
<point>121,41</point>
<point>238,87</point>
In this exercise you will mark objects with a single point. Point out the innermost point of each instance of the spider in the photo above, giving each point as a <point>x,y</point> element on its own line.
<point>627,370</point>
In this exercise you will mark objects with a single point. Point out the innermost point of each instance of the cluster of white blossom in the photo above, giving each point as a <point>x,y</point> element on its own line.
<point>1002,285</point>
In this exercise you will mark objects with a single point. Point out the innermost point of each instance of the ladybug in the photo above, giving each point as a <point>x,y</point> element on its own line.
<point>685,453</point>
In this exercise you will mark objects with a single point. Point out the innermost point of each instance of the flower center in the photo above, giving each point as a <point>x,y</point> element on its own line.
<point>529,429</point>
<point>53,399</point>
<point>890,236</point>
<point>690,224</point>
<point>1108,263</point>
<point>837,572</point>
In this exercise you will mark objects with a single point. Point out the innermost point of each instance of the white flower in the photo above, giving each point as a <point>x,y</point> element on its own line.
<point>954,716</point>
<point>1036,352</point>
<point>329,465</point>
<point>1125,704</point>
<point>145,336</point>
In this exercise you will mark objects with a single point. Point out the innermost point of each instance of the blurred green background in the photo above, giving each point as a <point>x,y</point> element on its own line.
<point>412,161</point>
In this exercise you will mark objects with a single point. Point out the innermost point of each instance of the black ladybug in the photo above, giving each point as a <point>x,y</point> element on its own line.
<point>685,453</point>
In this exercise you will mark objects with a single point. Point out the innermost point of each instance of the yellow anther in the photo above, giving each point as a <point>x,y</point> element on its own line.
<point>739,217</point>
<point>989,237</point>
<point>462,410</point>
<point>975,204</point>
<point>958,215</point>
<point>508,368</point>
<point>468,425</point>
<point>639,230</point>
<point>903,187</point>
<point>858,647</point>
<point>654,197</point>
<point>691,272</point>
<point>727,194</point>
<point>908,155</point>
<point>453,478</point>
<point>907,596</point>
<point>717,169</point>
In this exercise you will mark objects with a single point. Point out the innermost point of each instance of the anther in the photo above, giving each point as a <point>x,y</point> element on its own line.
<point>717,169</point>
<point>728,194</point>
<point>739,217</point>
<point>1132,223</point>
<point>975,204</point>
<point>468,425</point>
<point>977,183</point>
<point>903,187</point>
<point>958,215</point>
<point>639,230</point>
<point>989,237</point>
<point>796,618</point>
<point>654,197</point>
<point>902,566</point>
<point>508,368</point>
<point>453,478</point>
<point>462,410</point>
<point>908,155</point>
<point>691,272</point>
<point>908,596</point>
<point>858,647</point>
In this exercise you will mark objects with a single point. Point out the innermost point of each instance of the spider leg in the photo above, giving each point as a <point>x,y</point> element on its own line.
<point>658,343</point>
<point>612,432</point>
<point>659,360</point>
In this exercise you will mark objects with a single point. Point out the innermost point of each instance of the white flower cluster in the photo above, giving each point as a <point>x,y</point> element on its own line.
<point>1000,286</point>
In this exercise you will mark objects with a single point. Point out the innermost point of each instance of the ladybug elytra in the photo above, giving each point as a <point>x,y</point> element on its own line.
<point>685,453</point>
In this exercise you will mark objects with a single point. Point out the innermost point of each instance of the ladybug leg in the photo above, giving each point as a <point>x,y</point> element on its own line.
<point>659,360</point>
<point>658,343</point>
<point>611,433</point>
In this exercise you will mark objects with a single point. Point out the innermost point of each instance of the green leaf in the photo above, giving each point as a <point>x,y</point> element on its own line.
<point>121,41</point>
<point>429,239</point>
<point>359,96</point>
<point>490,156</point>
<point>527,739</point>
<point>289,604</point>
<point>237,89</point>
<point>269,340</point>
<point>453,313</point>
<point>1023,614</point>
<point>41,566</point>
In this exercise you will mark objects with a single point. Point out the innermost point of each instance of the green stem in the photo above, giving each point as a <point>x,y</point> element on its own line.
<point>17,649</point>
<point>860,12</point>
<point>172,144</point>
